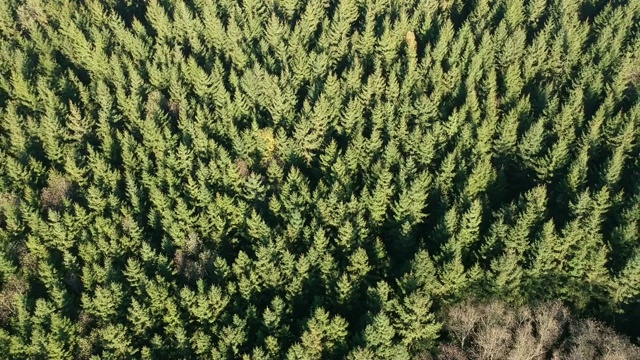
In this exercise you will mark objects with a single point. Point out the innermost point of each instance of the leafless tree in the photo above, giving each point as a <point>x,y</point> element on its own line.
<point>13,287</point>
<point>593,340</point>
<point>55,193</point>
<point>451,352</point>
<point>546,331</point>
<point>462,321</point>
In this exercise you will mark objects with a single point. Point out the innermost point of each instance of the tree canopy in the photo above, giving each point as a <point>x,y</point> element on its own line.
<point>313,179</point>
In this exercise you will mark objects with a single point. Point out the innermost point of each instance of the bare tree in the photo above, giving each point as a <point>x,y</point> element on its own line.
<point>546,331</point>
<point>493,342</point>
<point>12,288</point>
<point>451,352</point>
<point>593,340</point>
<point>462,321</point>
<point>56,192</point>
<point>550,320</point>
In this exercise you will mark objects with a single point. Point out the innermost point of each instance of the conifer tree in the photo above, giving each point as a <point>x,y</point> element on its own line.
<point>315,179</point>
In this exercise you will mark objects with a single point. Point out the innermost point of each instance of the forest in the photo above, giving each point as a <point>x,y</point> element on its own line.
<point>320,179</point>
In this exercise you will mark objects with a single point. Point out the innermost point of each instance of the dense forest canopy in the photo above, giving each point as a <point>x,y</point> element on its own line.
<point>318,179</point>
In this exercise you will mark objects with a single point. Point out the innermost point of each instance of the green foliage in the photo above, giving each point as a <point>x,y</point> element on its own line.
<point>310,179</point>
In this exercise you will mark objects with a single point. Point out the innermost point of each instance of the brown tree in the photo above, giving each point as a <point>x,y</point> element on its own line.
<point>56,191</point>
<point>546,331</point>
